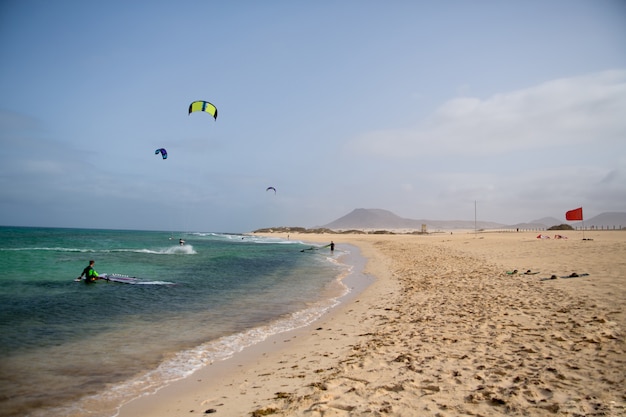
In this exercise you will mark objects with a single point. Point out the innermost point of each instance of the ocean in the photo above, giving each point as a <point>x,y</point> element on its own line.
<point>74,349</point>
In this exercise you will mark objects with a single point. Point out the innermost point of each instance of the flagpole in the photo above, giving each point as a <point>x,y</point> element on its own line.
<point>475,229</point>
<point>583,223</point>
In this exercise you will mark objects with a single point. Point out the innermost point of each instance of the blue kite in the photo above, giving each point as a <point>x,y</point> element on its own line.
<point>162,151</point>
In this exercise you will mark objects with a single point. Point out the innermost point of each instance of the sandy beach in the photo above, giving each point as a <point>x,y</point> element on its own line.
<point>444,330</point>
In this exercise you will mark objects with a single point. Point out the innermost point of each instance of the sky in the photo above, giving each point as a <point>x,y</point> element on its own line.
<point>426,109</point>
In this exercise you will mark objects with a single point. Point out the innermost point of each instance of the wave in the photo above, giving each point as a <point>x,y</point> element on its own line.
<point>220,235</point>
<point>185,363</point>
<point>48,249</point>
<point>173,250</point>
<point>246,238</point>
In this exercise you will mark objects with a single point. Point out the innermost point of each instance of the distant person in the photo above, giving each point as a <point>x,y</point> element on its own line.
<point>89,273</point>
<point>332,246</point>
<point>181,242</point>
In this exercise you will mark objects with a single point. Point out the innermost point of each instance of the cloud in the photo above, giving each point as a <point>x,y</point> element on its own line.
<point>564,112</point>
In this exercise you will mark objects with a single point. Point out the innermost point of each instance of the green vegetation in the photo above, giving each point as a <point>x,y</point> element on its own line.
<point>561,227</point>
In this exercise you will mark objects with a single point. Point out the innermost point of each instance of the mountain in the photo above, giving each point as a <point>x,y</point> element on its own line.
<point>542,223</point>
<point>383,219</point>
<point>607,220</point>
<point>371,219</point>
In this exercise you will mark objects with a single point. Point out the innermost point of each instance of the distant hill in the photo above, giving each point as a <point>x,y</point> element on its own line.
<point>547,221</point>
<point>610,219</point>
<point>373,219</point>
<point>542,223</point>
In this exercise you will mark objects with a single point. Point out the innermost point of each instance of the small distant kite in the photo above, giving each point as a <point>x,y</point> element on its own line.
<point>204,106</point>
<point>162,151</point>
<point>271,188</point>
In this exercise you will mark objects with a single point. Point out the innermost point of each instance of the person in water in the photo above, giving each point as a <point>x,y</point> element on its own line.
<point>332,246</point>
<point>90,274</point>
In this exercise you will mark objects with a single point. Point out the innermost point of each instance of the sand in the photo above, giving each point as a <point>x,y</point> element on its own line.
<point>443,331</point>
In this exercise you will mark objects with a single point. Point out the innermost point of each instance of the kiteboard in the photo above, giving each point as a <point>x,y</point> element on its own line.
<point>113,278</point>
<point>121,279</point>
<point>124,279</point>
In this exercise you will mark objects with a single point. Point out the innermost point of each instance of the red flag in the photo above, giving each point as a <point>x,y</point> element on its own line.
<point>576,214</point>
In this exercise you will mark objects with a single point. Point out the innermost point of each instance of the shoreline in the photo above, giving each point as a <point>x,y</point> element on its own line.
<point>443,331</point>
<point>230,399</point>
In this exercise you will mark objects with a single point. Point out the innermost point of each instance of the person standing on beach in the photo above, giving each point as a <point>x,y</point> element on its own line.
<point>90,274</point>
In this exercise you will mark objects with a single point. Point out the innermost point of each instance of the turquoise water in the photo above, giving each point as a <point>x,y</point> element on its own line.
<point>70,348</point>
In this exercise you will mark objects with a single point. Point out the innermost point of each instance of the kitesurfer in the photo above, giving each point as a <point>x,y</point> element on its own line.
<point>90,274</point>
<point>332,246</point>
<point>181,242</point>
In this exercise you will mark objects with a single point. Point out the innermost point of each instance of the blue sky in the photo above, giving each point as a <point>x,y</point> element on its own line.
<point>417,107</point>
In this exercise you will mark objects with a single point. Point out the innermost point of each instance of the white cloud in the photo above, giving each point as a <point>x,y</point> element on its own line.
<point>565,112</point>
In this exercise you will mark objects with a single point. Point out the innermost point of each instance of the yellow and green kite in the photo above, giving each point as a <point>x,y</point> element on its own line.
<point>204,106</point>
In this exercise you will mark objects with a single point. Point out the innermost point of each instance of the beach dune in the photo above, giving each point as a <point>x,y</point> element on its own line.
<point>443,331</point>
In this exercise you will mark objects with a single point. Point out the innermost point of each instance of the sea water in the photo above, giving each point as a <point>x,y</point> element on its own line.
<point>71,349</point>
